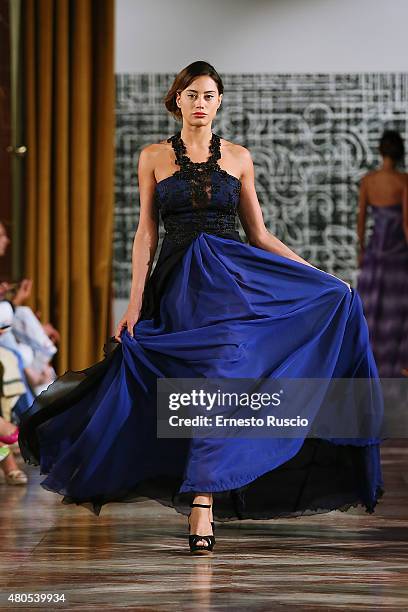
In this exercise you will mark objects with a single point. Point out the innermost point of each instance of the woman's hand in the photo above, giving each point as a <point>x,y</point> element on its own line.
<point>128,320</point>
<point>23,292</point>
<point>4,287</point>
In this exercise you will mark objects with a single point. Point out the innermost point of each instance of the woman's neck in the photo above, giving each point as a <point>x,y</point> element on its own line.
<point>196,137</point>
<point>388,164</point>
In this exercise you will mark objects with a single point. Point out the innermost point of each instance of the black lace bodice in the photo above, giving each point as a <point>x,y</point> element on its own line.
<point>199,197</point>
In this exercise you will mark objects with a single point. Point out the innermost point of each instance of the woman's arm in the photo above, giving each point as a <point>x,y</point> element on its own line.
<point>250,215</point>
<point>146,236</point>
<point>145,240</point>
<point>361,218</point>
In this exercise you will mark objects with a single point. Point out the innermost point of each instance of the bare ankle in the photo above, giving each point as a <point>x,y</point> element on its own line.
<point>203,498</point>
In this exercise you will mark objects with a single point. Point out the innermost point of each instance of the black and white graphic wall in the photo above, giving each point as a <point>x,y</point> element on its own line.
<point>311,136</point>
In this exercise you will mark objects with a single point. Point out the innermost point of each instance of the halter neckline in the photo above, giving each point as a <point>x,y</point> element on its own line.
<point>183,160</point>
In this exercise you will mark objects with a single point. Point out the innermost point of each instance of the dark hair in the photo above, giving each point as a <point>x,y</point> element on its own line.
<point>183,80</point>
<point>392,145</point>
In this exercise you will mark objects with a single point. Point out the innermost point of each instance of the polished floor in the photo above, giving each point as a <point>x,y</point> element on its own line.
<point>135,556</point>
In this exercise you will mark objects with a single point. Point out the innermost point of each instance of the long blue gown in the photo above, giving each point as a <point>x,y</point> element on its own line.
<point>213,307</point>
<point>383,287</point>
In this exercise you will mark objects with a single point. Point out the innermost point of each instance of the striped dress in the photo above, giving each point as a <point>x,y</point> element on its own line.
<point>383,288</point>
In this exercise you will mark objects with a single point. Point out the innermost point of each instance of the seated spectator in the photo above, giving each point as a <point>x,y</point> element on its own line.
<point>12,390</point>
<point>12,384</point>
<point>26,349</point>
<point>34,352</point>
<point>12,473</point>
<point>25,335</point>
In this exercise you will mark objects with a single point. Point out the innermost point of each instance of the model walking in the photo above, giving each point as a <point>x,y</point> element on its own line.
<point>214,307</point>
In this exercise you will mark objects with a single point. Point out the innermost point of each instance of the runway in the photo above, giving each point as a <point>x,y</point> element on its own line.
<point>135,556</point>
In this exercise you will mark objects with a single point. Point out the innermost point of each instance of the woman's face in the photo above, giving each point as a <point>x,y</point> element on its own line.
<point>202,97</point>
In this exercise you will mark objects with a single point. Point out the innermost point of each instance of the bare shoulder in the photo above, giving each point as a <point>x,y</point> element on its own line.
<point>236,150</point>
<point>369,176</point>
<point>154,155</point>
<point>369,180</point>
<point>154,149</point>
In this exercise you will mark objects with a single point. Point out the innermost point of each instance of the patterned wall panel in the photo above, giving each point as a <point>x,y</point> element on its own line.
<point>312,137</point>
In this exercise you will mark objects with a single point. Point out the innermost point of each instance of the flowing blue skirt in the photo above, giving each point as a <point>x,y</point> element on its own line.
<point>227,309</point>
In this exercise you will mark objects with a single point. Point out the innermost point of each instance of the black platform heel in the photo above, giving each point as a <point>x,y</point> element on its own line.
<point>194,538</point>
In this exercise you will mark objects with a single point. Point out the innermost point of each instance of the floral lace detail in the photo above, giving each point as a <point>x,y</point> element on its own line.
<point>198,174</point>
<point>182,233</point>
<point>199,197</point>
